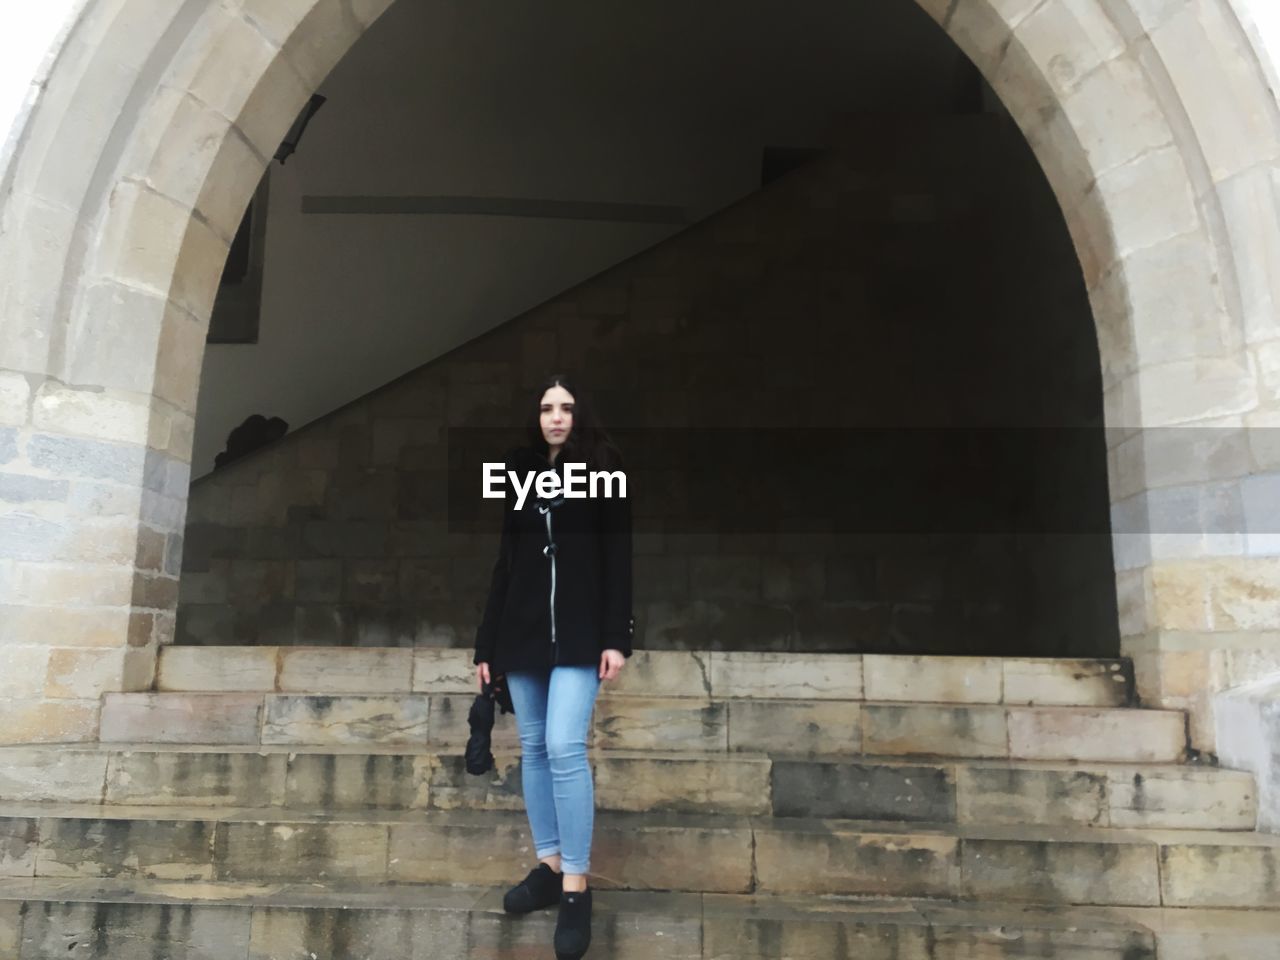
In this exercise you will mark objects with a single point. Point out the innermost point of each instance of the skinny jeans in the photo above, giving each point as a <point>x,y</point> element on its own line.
<point>553,708</point>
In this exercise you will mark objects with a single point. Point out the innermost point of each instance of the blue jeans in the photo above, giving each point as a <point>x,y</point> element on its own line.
<point>553,712</point>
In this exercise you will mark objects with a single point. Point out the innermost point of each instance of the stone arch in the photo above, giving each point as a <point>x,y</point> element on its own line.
<point>157,120</point>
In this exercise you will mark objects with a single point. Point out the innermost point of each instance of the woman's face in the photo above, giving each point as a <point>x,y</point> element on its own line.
<point>556,416</point>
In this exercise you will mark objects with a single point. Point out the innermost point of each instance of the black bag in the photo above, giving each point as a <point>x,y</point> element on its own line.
<point>480,720</point>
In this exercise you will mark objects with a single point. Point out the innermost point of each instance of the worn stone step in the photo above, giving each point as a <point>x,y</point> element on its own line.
<point>1167,796</point>
<point>140,920</point>
<point>664,723</point>
<point>665,673</point>
<point>652,851</point>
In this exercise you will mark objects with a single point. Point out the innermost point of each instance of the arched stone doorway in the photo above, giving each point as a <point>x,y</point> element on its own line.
<point>154,127</point>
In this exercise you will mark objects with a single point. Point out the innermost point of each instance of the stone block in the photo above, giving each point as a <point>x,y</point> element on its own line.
<point>48,721</point>
<point>802,935</point>
<point>682,784</point>
<point>804,858</point>
<point>1221,873</point>
<point>18,488</point>
<point>19,843</point>
<point>864,791</point>
<point>346,671</point>
<point>1085,733</point>
<point>64,775</point>
<point>358,781</point>
<point>320,719</point>
<point>1013,795</point>
<point>444,670</point>
<point>1059,871</point>
<point>11,915</point>
<point>653,723</point>
<point>302,852</point>
<point>181,718</point>
<point>963,731</point>
<point>78,674</point>
<point>1066,682</point>
<point>936,679</point>
<point>215,779</point>
<point>1182,799</point>
<point>440,850</point>
<point>786,675</point>
<point>662,673</point>
<point>453,788</point>
<point>15,399</point>
<point>130,930</point>
<point>161,849</point>
<point>637,853</point>
<point>795,727</point>
<point>449,723</point>
<point>222,668</point>
<point>289,933</point>
<point>22,671</point>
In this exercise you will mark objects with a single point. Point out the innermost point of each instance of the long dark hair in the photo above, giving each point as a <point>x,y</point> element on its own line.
<point>588,441</point>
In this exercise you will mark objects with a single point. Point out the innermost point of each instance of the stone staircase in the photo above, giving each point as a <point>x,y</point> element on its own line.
<point>298,802</point>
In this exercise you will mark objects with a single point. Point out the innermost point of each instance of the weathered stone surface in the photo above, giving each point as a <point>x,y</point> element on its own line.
<point>289,934</point>
<point>357,781</point>
<point>135,931</point>
<point>19,841</point>
<point>663,673</point>
<point>997,794</point>
<point>1066,682</point>
<point>165,849</point>
<point>442,850</point>
<point>863,791</point>
<point>1182,799</point>
<point>965,731</point>
<point>1067,733</point>
<point>181,718</point>
<point>345,671</point>
<point>1059,871</point>
<point>212,778</point>
<point>877,932</point>
<point>714,784</point>
<point>936,679</point>
<point>623,723</point>
<point>443,671</point>
<point>217,668</point>
<point>795,727</point>
<point>638,852</point>
<point>1204,934</point>
<point>449,723</point>
<point>813,858</point>
<point>48,721</point>
<point>303,719</point>
<point>56,775</point>
<point>452,787</point>
<point>786,675</point>
<point>302,851</point>
<point>1221,873</point>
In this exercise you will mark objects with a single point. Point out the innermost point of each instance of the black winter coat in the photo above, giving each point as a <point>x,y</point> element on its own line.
<point>527,624</point>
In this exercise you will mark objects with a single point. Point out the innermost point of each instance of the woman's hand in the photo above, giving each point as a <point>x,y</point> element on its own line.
<point>482,675</point>
<point>611,662</point>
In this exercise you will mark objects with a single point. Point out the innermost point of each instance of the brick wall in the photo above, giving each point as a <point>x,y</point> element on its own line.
<point>920,274</point>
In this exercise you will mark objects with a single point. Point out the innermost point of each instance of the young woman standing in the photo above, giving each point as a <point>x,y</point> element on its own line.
<point>558,622</point>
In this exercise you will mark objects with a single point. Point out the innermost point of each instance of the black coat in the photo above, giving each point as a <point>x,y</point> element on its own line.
<point>591,561</point>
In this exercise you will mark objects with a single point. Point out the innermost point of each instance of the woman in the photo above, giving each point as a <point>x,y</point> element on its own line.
<point>557,623</point>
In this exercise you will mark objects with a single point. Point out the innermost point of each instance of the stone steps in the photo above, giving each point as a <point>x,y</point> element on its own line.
<point>651,851</point>
<point>140,920</point>
<point>124,921</point>
<point>665,673</point>
<point>797,726</point>
<point>1167,796</point>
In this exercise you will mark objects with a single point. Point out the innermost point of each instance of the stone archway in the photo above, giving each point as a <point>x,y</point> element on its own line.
<point>155,124</point>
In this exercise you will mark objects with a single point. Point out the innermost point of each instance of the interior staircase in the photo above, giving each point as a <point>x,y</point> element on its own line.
<point>303,802</point>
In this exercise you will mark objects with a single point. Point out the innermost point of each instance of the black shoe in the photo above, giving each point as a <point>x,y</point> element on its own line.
<point>573,926</point>
<point>541,888</point>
